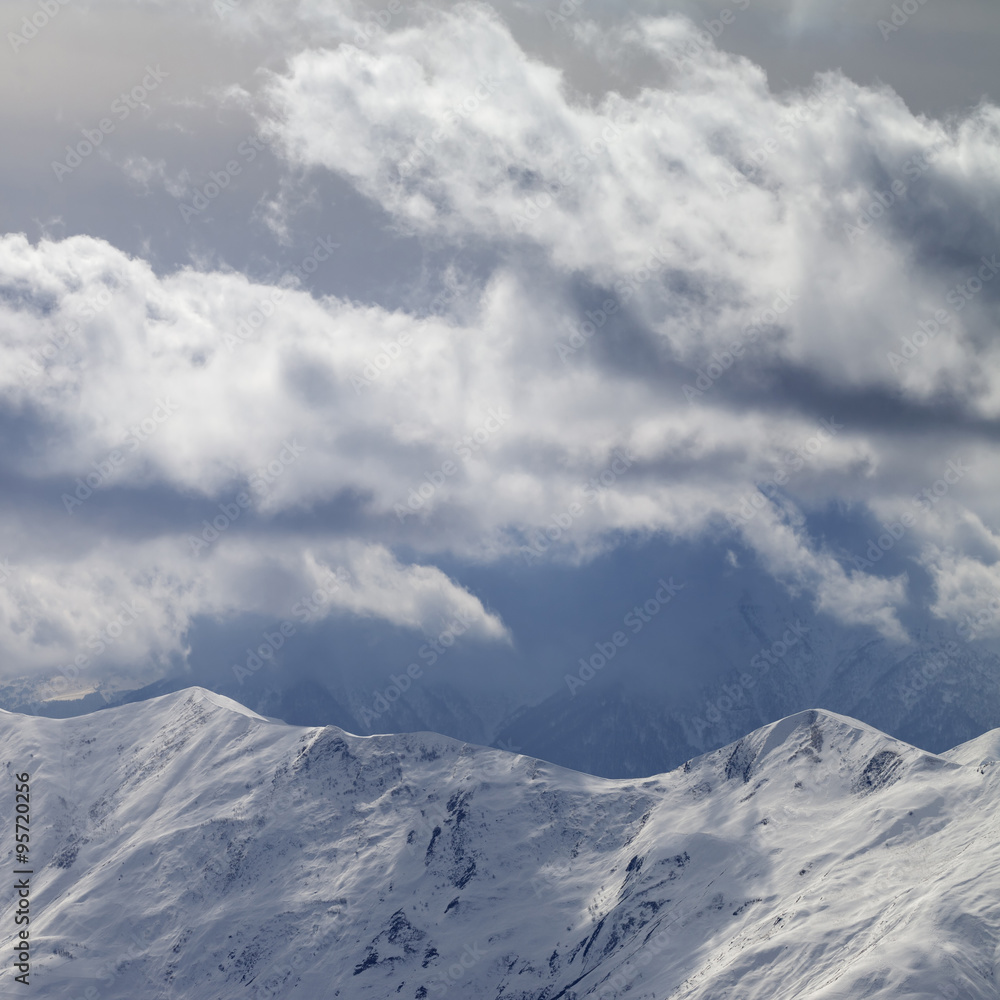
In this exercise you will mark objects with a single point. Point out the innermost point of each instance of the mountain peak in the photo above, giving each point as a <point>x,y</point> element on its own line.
<point>189,698</point>
<point>856,755</point>
<point>200,695</point>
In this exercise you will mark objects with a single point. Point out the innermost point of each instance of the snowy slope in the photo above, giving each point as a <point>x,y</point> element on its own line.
<point>193,849</point>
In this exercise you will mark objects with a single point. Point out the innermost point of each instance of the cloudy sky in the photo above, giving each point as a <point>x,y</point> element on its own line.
<point>409,319</point>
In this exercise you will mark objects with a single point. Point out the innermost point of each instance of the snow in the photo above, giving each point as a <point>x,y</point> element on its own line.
<point>187,847</point>
<point>221,701</point>
<point>982,748</point>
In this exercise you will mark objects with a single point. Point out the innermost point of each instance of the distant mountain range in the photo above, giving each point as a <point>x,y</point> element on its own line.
<point>938,694</point>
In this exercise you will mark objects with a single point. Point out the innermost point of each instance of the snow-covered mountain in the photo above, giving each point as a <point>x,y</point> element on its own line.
<point>186,847</point>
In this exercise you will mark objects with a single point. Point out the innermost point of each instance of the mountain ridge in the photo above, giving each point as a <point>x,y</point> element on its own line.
<point>185,846</point>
